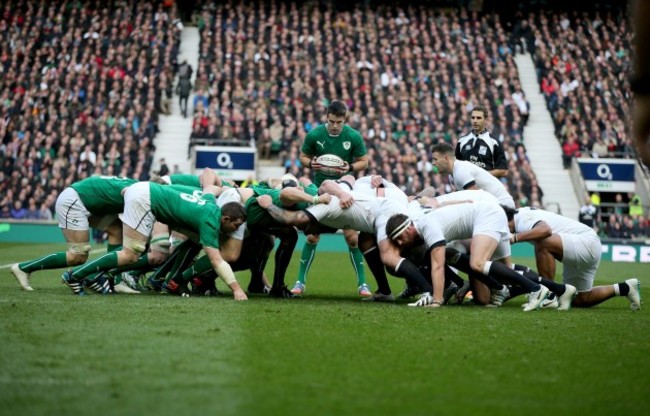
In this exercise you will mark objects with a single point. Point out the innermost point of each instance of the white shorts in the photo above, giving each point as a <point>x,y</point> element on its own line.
<point>71,212</point>
<point>493,223</point>
<point>504,249</point>
<point>581,257</point>
<point>137,208</point>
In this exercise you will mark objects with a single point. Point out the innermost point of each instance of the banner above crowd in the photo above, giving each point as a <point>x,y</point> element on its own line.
<point>608,175</point>
<point>232,163</point>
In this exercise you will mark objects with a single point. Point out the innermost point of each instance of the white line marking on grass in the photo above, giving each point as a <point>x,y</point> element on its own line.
<point>99,250</point>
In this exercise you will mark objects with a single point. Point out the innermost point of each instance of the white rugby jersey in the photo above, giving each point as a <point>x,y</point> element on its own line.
<point>476,195</point>
<point>467,174</point>
<point>526,218</point>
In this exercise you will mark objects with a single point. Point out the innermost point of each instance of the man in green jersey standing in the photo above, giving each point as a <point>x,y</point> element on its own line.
<point>334,137</point>
<point>93,202</point>
<point>196,216</point>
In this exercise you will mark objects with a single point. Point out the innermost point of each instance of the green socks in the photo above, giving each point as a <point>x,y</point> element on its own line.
<point>112,247</point>
<point>306,259</point>
<point>106,262</point>
<point>356,257</point>
<point>142,262</point>
<point>199,267</point>
<point>51,261</point>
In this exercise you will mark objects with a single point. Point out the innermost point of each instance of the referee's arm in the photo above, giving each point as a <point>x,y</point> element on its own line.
<point>500,162</point>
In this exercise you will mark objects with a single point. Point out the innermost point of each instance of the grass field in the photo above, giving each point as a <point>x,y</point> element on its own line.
<point>326,353</point>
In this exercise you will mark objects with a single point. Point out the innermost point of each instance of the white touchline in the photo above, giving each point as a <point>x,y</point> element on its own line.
<point>6,266</point>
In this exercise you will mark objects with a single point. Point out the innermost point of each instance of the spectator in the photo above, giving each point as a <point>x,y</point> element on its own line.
<point>588,213</point>
<point>44,213</point>
<point>635,208</point>
<point>18,212</point>
<point>570,150</point>
<point>32,211</point>
<point>164,169</point>
<point>185,70</point>
<point>183,89</point>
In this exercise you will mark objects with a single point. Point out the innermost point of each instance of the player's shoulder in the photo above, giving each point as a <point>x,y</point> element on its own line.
<point>464,165</point>
<point>316,132</point>
<point>351,132</point>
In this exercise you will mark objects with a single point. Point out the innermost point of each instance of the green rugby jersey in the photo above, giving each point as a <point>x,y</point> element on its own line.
<point>347,145</point>
<point>184,210</point>
<point>102,195</point>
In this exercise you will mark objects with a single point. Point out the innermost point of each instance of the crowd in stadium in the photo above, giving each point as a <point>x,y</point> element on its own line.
<point>82,94</point>
<point>80,84</point>
<point>267,73</point>
<point>583,62</point>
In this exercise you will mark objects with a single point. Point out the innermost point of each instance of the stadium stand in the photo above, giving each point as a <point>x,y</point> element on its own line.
<point>583,62</point>
<point>409,76</point>
<point>80,84</point>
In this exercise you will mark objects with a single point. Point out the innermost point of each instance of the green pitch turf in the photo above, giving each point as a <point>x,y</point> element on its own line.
<point>326,353</point>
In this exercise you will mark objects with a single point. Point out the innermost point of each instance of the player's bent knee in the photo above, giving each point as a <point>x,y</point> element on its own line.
<point>313,238</point>
<point>156,258</point>
<point>135,245</point>
<point>160,243</point>
<point>78,253</point>
<point>477,265</point>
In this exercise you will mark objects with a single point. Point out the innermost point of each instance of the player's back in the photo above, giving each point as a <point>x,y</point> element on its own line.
<point>466,174</point>
<point>102,194</point>
<point>389,190</point>
<point>457,221</point>
<point>526,218</point>
<point>476,195</point>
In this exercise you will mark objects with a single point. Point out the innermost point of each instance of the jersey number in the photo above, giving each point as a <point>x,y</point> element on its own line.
<point>192,198</point>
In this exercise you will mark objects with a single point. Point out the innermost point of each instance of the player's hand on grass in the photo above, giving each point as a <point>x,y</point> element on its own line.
<point>239,294</point>
<point>265,201</point>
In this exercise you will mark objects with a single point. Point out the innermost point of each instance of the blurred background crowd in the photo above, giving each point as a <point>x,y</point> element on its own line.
<point>82,84</point>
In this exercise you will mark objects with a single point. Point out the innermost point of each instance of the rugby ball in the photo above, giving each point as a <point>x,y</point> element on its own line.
<point>330,161</point>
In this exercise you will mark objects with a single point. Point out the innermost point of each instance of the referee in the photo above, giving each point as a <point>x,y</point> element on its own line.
<point>480,148</point>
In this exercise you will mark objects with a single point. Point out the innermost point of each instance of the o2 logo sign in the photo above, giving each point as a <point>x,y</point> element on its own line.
<point>224,161</point>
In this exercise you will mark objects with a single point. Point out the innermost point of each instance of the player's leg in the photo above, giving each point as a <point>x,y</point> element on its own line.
<point>127,278</point>
<point>373,260</point>
<point>306,259</point>
<point>176,281</point>
<point>138,224</point>
<point>288,238</point>
<point>356,257</point>
<point>258,250</point>
<point>402,267</point>
<point>481,285</point>
<point>559,293</point>
<point>546,252</point>
<point>482,248</point>
<point>581,262</point>
<point>73,221</point>
<point>599,294</point>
